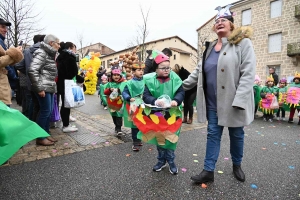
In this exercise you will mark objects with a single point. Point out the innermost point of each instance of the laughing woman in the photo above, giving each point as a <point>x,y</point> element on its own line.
<point>224,94</point>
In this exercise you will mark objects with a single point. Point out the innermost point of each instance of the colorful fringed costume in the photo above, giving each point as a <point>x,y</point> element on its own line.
<point>293,97</point>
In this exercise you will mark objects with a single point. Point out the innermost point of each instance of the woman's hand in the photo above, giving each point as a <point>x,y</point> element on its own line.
<point>42,93</point>
<point>174,103</point>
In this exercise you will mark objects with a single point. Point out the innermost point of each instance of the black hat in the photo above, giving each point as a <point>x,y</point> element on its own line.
<point>2,21</point>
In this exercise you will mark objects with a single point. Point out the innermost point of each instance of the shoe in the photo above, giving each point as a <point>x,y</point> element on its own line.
<point>204,177</point>
<point>278,118</point>
<point>52,139</point>
<point>105,108</point>
<point>159,166</point>
<point>184,120</point>
<point>265,119</point>
<point>120,133</point>
<point>238,173</point>
<point>172,168</point>
<point>290,121</point>
<point>135,147</point>
<point>72,119</point>
<point>299,122</point>
<point>69,128</point>
<point>270,120</point>
<point>44,142</point>
<point>190,120</point>
<point>283,119</point>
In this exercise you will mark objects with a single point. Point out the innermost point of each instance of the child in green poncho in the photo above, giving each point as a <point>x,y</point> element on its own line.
<point>101,91</point>
<point>282,95</point>
<point>293,98</point>
<point>256,91</point>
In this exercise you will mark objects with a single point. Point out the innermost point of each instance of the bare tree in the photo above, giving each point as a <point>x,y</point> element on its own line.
<point>24,22</point>
<point>142,34</point>
<point>81,44</point>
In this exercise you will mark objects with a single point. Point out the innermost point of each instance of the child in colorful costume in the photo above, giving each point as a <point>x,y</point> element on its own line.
<point>132,94</point>
<point>114,97</point>
<point>293,97</point>
<point>281,99</point>
<point>256,91</point>
<point>268,95</point>
<point>101,94</point>
<point>160,123</point>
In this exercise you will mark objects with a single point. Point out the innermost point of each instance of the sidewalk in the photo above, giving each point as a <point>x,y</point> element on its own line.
<point>94,131</point>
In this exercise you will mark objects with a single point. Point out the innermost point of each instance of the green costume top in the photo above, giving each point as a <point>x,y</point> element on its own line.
<point>160,127</point>
<point>257,98</point>
<point>269,90</point>
<point>101,93</point>
<point>117,103</point>
<point>136,89</point>
<point>16,130</point>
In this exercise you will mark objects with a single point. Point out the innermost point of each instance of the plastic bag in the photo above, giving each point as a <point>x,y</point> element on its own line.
<point>114,94</point>
<point>74,96</point>
<point>164,101</point>
<point>55,116</point>
<point>274,103</point>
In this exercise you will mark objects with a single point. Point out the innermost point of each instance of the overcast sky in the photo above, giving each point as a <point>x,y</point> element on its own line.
<point>114,22</point>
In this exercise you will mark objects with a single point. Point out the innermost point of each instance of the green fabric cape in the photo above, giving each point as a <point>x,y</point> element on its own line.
<point>257,97</point>
<point>102,95</point>
<point>136,88</point>
<point>157,89</point>
<point>15,131</point>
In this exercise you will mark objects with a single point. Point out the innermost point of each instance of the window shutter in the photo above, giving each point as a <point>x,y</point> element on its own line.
<point>246,17</point>
<point>276,8</point>
<point>275,43</point>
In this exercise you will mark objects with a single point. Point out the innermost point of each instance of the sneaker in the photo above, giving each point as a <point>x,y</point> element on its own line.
<point>159,166</point>
<point>283,119</point>
<point>72,119</point>
<point>105,108</point>
<point>69,128</point>
<point>270,120</point>
<point>278,118</point>
<point>135,147</point>
<point>265,119</point>
<point>173,169</point>
<point>120,133</point>
<point>290,121</point>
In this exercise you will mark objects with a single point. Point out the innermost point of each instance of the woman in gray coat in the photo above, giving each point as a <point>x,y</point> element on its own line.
<point>224,94</point>
<point>42,73</point>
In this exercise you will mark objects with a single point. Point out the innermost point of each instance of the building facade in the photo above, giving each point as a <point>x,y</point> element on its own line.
<point>182,52</point>
<point>98,47</point>
<point>276,39</point>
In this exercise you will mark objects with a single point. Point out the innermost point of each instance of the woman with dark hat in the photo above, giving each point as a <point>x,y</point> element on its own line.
<point>225,94</point>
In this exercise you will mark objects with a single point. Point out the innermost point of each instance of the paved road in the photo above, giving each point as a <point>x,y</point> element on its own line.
<point>271,162</point>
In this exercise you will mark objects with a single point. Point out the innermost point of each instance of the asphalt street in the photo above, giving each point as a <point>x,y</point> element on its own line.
<point>271,163</point>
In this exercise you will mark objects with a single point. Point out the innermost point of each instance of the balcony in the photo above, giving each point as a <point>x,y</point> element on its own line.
<point>297,11</point>
<point>293,49</point>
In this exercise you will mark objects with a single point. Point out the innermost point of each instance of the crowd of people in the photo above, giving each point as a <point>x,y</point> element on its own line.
<point>148,96</point>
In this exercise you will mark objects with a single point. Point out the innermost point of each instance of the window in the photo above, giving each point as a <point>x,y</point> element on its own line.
<point>275,43</point>
<point>276,8</point>
<point>174,56</point>
<point>246,17</point>
<point>108,63</point>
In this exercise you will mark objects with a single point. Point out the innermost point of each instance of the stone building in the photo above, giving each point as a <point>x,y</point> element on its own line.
<point>98,47</point>
<point>276,39</point>
<point>183,53</point>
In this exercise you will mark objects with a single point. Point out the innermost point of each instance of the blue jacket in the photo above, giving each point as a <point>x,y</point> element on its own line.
<point>11,72</point>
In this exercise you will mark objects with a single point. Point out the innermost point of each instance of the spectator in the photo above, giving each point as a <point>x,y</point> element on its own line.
<point>274,75</point>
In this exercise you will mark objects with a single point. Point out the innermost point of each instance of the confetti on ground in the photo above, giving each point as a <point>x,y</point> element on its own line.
<point>92,133</point>
<point>292,167</point>
<point>262,135</point>
<point>262,127</point>
<point>150,149</point>
<point>263,148</point>
<point>196,161</point>
<point>127,155</point>
<point>195,154</point>
<point>203,185</point>
<point>226,158</point>
<point>298,142</point>
<point>253,186</point>
<point>94,143</point>
<point>183,169</point>
<point>258,133</point>
<point>106,142</point>
<point>283,144</point>
<point>220,172</point>
<point>66,143</point>
<point>275,143</point>
<point>246,134</point>
<point>54,150</point>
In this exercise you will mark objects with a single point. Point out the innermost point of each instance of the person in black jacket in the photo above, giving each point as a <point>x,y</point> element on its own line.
<point>67,70</point>
<point>274,75</point>
<point>149,61</point>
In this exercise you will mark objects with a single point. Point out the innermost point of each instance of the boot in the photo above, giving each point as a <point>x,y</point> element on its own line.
<point>204,177</point>
<point>190,120</point>
<point>238,173</point>
<point>184,119</point>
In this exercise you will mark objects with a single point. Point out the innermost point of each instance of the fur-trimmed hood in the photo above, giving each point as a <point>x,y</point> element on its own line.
<point>240,33</point>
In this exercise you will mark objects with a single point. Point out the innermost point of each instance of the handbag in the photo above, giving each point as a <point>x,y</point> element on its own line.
<point>274,103</point>
<point>55,116</point>
<point>74,96</point>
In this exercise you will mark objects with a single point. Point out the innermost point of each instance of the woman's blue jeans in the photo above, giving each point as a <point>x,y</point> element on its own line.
<point>46,108</point>
<point>214,134</point>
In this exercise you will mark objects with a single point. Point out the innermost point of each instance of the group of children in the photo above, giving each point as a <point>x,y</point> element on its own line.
<point>138,102</point>
<point>271,99</point>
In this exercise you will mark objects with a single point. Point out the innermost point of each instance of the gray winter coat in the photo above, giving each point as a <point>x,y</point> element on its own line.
<point>235,78</point>
<point>42,71</point>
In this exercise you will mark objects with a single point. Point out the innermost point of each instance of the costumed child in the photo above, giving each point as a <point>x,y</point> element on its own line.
<point>161,119</point>
<point>269,95</point>
<point>293,97</point>
<point>282,96</point>
<point>132,94</point>
<point>256,91</point>
<point>114,97</point>
<point>104,80</point>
